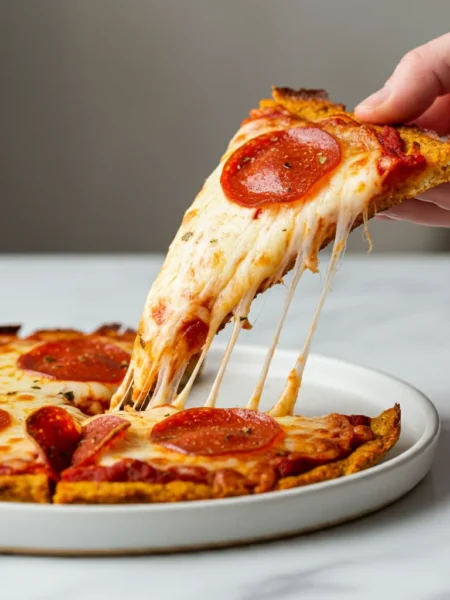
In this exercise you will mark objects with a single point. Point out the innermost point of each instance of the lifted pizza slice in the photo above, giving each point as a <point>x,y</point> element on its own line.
<point>299,173</point>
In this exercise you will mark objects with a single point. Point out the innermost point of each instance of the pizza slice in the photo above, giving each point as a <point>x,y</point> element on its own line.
<point>165,455</point>
<point>299,173</point>
<point>65,375</point>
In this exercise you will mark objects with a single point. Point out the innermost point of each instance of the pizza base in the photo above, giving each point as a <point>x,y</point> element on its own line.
<point>25,488</point>
<point>386,428</point>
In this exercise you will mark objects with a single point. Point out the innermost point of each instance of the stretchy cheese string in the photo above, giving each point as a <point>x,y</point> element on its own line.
<point>299,268</point>
<point>143,392</point>
<point>167,384</point>
<point>180,400</point>
<point>240,314</point>
<point>286,402</point>
<point>212,397</point>
<point>366,230</point>
<point>128,384</point>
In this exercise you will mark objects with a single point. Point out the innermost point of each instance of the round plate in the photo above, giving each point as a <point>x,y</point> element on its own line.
<point>329,386</point>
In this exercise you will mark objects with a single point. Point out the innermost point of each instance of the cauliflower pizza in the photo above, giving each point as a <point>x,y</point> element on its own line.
<point>101,417</point>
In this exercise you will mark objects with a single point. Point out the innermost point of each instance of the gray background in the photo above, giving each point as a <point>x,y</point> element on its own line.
<point>113,112</point>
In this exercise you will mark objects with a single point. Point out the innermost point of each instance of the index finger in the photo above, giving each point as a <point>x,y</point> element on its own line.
<point>422,75</point>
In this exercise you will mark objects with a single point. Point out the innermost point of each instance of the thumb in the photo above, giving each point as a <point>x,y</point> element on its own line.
<point>420,77</point>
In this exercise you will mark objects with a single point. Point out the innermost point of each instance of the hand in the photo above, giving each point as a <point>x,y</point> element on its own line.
<point>417,92</point>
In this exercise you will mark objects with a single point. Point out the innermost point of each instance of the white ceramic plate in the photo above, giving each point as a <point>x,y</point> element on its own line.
<point>329,386</point>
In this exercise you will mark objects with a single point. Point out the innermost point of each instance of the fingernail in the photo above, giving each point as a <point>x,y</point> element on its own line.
<point>376,99</point>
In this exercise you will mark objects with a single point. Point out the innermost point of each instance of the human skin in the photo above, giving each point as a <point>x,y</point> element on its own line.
<point>417,92</point>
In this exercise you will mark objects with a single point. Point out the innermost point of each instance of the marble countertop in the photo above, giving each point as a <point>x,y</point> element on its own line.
<point>391,313</point>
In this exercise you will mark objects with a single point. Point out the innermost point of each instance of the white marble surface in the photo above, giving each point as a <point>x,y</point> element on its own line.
<point>390,313</point>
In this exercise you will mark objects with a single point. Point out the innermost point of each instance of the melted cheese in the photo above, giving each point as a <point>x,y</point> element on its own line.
<point>302,434</point>
<point>21,393</point>
<point>222,256</point>
<point>287,400</point>
<point>135,444</point>
<point>90,397</point>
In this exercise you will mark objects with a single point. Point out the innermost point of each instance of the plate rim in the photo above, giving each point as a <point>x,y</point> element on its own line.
<point>428,438</point>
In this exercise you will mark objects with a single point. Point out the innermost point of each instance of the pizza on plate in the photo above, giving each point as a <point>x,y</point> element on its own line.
<point>101,418</point>
<point>60,443</point>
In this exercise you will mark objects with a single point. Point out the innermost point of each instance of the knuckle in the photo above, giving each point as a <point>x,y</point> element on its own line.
<point>414,57</point>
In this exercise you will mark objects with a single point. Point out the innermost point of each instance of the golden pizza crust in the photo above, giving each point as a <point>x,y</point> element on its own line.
<point>91,492</point>
<point>386,428</point>
<point>25,488</point>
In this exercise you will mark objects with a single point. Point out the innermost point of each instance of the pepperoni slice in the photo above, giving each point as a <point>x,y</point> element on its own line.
<point>96,435</point>
<point>5,419</point>
<point>214,431</point>
<point>279,167</point>
<point>56,434</point>
<point>81,359</point>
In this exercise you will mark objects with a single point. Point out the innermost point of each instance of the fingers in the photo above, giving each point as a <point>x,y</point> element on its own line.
<point>417,211</point>
<point>439,195</point>
<point>437,117</point>
<point>421,76</point>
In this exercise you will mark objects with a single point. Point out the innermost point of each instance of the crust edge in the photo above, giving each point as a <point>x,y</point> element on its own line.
<point>25,488</point>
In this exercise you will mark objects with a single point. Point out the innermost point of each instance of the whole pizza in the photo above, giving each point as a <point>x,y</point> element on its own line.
<point>59,442</point>
<point>101,417</point>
